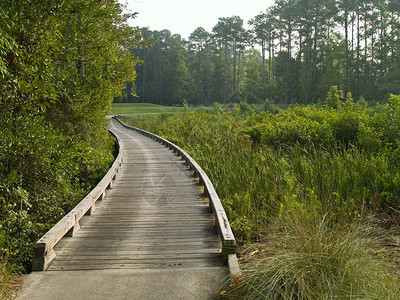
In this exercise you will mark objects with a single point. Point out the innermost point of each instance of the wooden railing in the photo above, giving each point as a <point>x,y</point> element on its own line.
<point>69,224</point>
<point>221,220</point>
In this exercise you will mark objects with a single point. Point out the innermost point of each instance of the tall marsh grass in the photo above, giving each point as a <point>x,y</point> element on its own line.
<point>279,175</point>
<point>9,280</point>
<point>260,168</point>
<point>305,258</point>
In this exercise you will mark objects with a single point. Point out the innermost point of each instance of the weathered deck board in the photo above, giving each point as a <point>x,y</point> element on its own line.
<point>154,216</point>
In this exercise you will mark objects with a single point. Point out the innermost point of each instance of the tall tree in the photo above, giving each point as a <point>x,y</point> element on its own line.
<point>261,29</point>
<point>198,42</point>
<point>311,45</point>
<point>223,34</point>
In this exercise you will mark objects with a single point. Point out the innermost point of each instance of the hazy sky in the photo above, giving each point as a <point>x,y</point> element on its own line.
<point>184,16</point>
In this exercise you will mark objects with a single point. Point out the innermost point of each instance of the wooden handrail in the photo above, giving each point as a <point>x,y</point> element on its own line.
<point>69,224</point>
<point>222,223</point>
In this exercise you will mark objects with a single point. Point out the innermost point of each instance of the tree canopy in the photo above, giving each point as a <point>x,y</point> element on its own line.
<point>55,53</point>
<point>61,65</point>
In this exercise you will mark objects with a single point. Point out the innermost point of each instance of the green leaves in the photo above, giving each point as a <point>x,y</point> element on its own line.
<point>46,45</point>
<point>334,97</point>
<point>43,174</point>
<point>61,65</point>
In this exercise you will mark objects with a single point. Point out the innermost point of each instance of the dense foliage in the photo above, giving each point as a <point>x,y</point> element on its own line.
<point>301,178</point>
<point>61,65</point>
<point>344,161</point>
<point>292,53</point>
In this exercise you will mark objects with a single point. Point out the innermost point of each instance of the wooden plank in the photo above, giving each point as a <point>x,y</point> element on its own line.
<point>81,239</point>
<point>174,205</point>
<point>110,254</point>
<point>142,235</point>
<point>149,259</point>
<point>116,244</point>
<point>141,264</point>
<point>137,221</point>
<point>149,224</point>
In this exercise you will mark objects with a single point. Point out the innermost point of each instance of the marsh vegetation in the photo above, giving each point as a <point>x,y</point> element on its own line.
<point>312,194</point>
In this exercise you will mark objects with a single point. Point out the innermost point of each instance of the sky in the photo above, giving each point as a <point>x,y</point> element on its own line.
<point>184,16</point>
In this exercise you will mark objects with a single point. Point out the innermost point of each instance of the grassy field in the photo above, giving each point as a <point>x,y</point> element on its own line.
<point>142,109</point>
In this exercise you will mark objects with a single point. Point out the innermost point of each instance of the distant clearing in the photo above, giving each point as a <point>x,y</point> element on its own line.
<point>142,109</point>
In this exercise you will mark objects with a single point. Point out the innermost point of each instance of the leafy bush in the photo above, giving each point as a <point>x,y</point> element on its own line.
<point>391,130</point>
<point>345,126</point>
<point>43,174</point>
<point>334,97</point>
<point>54,97</point>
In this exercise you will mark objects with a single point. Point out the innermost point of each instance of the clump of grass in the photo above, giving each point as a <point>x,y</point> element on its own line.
<point>9,281</point>
<point>308,257</point>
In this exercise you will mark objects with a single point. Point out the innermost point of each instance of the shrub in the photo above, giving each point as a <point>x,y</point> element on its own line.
<point>345,126</point>
<point>334,97</point>
<point>43,174</point>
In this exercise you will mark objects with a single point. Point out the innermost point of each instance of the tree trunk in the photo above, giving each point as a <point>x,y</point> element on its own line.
<point>263,69</point>
<point>226,73</point>
<point>144,77</point>
<point>238,71</point>
<point>372,51</point>
<point>234,66</point>
<point>289,33</point>
<point>358,49</point>
<point>314,52</point>
<point>346,37</point>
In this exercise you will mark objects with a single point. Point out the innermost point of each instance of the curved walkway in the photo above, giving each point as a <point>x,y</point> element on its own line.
<point>151,237</point>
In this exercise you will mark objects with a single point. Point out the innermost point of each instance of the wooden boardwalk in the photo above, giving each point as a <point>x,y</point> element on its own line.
<point>154,216</point>
<point>153,235</point>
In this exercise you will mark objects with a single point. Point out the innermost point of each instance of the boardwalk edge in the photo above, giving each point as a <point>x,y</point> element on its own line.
<point>222,223</point>
<point>69,224</point>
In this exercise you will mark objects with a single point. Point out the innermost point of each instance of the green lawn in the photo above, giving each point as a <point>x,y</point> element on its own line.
<point>142,109</point>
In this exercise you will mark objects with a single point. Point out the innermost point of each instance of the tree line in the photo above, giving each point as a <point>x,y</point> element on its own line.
<point>292,53</point>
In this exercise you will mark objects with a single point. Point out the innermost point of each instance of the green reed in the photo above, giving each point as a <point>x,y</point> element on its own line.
<point>258,181</point>
<point>302,182</point>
